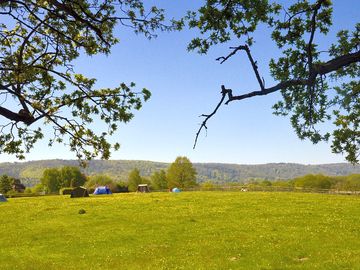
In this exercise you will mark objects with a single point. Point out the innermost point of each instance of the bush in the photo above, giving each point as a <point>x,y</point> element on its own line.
<point>122,187</point>
<point>318,181</point>
<point>207,186</point>
<point>28,190</point>
<point>39,188</point>
<point>12,194</point>
<point>265,183</point>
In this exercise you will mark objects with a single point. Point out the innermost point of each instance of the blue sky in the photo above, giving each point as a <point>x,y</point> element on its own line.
<point>184,85</point>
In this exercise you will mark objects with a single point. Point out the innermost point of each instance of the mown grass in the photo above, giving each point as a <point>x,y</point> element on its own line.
<point>189,230</point>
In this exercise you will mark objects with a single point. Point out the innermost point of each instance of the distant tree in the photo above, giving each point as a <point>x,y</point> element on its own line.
<point>122,187</point>
<point>134,179</point>
<point>318,181</point>
<point>350,182</point>
<point>40,42</point>
<point>5,183</point>
<point>181,173</point>
<point>99,180</point>
<point>51,179</point>
<point>56,178</point>
<point>28,190</point>
<point>265,183</point>
<point>282,183</point>
<point>159,180</point>
<point>208,185</point>
<point>72,177</point>
<point>318,82</point>
<point>39,188</point>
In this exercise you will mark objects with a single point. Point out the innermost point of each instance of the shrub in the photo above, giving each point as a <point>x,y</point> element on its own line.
<point>39,188</point>
<point>122,187</point>
<point>12,194</point>
<point>28,190</point>
<point>207,186</point>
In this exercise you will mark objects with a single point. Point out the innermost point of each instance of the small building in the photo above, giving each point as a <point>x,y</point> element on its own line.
<point>143,188</point>
<point>79,192</point>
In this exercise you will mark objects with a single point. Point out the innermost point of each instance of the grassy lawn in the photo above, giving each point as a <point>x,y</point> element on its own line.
<point>189,230</point>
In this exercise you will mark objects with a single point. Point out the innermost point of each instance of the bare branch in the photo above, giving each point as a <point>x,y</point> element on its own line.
<point>251,59</point>
<point>318,69</point>
<point>224,92</point>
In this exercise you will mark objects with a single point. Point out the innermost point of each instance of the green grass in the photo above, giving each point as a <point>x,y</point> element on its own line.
<point>189,230</point>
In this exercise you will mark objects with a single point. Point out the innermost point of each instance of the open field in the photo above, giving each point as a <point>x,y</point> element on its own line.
<point>189,230</point>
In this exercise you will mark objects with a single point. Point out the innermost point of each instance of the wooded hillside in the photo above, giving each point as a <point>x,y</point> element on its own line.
<point>217,172</point>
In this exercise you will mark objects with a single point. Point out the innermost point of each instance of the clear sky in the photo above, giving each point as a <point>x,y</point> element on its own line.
<point>185,85</point>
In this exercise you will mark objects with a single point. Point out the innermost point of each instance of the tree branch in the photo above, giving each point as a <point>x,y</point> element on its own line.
<point>224,92</point>
<point>17,117</point>
<point>318,69</point>
<point>251,59</point>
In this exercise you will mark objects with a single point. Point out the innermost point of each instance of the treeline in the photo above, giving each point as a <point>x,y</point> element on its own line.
<point>180,173</point>
<point>30,172</point>
<point>319,181</point>
<point>312,181</point>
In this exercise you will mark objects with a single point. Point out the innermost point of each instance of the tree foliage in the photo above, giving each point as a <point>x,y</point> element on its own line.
<point>51,180</point>
<point>39,41</point>
<point>318,181</point>
<point>6,183</point>
<point>159,180</point>
<point>181,173</point>
<point>351,182</point>
<point>134,179</point>
<point>72,177</point>
<point>317,85</point>
<point>56,178</point>
<point>99,180</point>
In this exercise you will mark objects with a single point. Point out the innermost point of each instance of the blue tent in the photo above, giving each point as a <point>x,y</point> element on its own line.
<point>176,190</point>
<point>2,198</point>
<point>102,190</point>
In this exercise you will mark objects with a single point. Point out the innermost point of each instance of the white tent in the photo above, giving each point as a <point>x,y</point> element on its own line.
<point>2,198</point>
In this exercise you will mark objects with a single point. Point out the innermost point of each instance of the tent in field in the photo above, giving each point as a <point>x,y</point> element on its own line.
<point>176,190</point>
<point>79,192</point>
<point>143,188</point>
<point>102,190</point>
<point>2,198</point>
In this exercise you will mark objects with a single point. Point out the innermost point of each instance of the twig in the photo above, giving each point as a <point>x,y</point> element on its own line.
<point>224,92</point>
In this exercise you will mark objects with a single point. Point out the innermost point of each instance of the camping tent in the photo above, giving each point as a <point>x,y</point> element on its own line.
<point>102,190</point>
<point>143,188</point>
<point>2,198</point>
<point>79,192</point>
<point>176,190</point>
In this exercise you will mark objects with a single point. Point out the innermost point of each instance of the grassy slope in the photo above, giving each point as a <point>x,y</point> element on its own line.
<point>194,230</point>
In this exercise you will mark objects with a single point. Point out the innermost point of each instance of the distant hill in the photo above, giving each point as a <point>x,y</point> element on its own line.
<point>217,172</point>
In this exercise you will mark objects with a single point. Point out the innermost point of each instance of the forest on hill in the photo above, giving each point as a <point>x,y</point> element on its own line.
<point>214,172</point>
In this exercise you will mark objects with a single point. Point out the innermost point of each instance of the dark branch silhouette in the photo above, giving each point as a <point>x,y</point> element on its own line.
<point>316,70</point>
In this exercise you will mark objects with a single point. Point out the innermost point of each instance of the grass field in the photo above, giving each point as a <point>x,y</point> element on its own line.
<point>189,230</point>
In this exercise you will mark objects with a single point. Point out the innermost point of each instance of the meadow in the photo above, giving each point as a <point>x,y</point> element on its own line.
<point>188,230</point>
